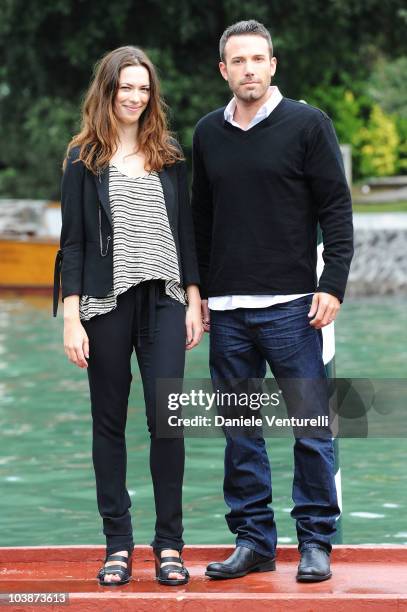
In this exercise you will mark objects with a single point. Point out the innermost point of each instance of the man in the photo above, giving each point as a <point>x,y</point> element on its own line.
<point>267,170</point>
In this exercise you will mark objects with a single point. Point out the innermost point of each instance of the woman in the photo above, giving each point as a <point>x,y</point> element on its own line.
<point>129,279</point>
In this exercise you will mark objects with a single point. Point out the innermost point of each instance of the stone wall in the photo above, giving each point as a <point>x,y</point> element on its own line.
<point>379,265</point>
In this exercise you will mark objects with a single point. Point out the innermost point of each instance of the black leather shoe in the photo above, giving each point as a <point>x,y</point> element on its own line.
<point>314,565</point>
<point>243,561</point>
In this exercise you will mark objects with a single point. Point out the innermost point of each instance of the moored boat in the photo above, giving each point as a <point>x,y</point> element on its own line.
<point>29,239</point>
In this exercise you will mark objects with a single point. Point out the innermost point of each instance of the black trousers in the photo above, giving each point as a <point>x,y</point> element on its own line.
<point>152,323</point>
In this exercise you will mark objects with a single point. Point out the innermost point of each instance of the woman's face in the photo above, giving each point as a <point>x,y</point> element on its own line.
<point>132,95</point>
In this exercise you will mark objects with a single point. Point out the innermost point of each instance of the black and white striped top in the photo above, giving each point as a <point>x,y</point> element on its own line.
<point>143,244</point>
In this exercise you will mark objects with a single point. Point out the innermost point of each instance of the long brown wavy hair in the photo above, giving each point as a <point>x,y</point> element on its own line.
<point>98,137</point>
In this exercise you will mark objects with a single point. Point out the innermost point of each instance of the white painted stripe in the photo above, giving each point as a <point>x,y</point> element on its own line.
<point>338,483</point>
<point>328,332</point>
<point>328,355</point>
<point>328,337</point>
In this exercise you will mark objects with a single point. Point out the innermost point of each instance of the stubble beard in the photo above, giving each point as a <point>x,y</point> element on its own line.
<point>250,96</point>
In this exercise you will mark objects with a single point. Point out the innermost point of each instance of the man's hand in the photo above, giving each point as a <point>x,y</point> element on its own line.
<point>324,309</point>
<point>206,319</point>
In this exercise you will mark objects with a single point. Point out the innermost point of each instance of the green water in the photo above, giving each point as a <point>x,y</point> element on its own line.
<point>47,491</point>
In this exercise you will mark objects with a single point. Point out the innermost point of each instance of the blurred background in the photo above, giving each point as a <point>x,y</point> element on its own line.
<point>349,59</point>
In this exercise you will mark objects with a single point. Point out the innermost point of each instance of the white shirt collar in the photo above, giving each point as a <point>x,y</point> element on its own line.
<point>263,112</point>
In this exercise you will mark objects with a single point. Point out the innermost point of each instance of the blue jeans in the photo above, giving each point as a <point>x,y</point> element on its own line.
<point>242,341</point>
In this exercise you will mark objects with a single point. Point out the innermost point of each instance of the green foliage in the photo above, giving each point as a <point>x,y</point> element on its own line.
<point>348,113</point>
<point>379,143</point>
<point>42,136</point>
<point>388,86</point>
<point>379,207</point>
<point>401,124</point>
<point>49,48</point>
<point>378,139</point>
<point>346,109</point>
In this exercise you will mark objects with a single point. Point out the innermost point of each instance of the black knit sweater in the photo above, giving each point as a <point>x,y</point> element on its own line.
<point>257,198</point>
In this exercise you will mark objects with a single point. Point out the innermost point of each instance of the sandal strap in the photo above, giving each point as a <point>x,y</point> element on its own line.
<point>114,569</point>
<point>169,559</point>
<point>117,557</point>
<point>168,569</point>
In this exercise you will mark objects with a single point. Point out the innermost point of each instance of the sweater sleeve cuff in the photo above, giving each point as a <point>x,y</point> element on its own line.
<point>323,288</point>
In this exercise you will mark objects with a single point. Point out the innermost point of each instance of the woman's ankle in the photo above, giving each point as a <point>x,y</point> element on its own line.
<point>124,551</point>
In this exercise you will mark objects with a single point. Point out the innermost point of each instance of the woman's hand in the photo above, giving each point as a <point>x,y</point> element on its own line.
<point>76,341</point>
<point>193,318</point>
<point>193,323</point>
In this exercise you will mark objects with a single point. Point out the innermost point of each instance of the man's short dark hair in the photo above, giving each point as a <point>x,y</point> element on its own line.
<point>244,27</point>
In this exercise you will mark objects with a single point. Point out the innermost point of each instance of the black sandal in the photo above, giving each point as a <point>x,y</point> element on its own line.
<point>162,573</point>
<point>124,572</point>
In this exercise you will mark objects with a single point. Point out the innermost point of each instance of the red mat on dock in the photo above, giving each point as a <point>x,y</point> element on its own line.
<point>364,578</point>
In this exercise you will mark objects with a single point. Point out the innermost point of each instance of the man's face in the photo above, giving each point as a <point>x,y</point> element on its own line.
<point>248,67</point>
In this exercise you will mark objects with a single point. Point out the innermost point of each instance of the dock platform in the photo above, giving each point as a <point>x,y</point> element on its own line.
<point>365,578</point>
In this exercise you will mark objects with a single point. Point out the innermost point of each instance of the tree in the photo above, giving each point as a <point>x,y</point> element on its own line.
<point>50,46</point>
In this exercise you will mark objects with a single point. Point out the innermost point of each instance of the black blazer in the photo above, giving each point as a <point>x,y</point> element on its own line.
<point>85,259</point>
